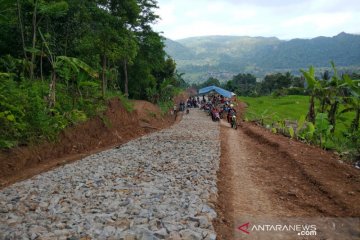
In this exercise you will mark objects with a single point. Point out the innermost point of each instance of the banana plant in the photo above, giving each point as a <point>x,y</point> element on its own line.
<point>352,102</point>
<point>300,124</point>
<point>166,89</point>
<point>315,88</point>
<point>322,128</point>
<point>58,62</point>
<point>307,133</point>
<point>291,132</point>
<point>335,93</point>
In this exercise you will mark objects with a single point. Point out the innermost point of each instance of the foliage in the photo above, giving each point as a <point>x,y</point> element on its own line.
<point>283,113</point>
<point>332,93</point>
<point>76,116</point>
<point>291,132</point>
<point>353,143</point>
<point>276,81</point>
<point>322,129</point>
<point>27,117</point>
<point>128,105</point>
<point>296,91</point>
<point>61,60</point>
<point>210,82</point>
<point>242,84</point>
<point>277,84</point>
<point>333,108</point>
<point>166,106</point>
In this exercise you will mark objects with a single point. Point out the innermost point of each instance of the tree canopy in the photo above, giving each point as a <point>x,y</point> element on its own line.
<point>66,56</point>
<point>114,37</point>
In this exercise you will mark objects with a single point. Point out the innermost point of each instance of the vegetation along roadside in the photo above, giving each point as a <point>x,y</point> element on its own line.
<point>61,61</point>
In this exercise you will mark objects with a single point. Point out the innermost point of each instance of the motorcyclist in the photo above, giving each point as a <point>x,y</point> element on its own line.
<point>182,106</point>
<point>231,111</point>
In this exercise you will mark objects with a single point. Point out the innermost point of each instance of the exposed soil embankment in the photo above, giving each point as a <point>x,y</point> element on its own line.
<point>114,127</point>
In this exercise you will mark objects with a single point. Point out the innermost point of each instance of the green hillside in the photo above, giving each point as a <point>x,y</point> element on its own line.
<point>224,56</point>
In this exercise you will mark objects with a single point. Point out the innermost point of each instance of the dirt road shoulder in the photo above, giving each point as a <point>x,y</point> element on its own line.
<point>262,174</point>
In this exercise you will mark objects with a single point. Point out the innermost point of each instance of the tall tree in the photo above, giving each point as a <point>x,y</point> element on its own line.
<point>42,9</point>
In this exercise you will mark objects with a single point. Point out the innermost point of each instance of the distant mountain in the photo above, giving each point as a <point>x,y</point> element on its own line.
<point>180,51</point>
<point>225,56</point>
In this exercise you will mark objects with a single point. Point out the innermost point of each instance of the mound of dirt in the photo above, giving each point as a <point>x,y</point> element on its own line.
<point>149,115</point>
<point>114,127</point>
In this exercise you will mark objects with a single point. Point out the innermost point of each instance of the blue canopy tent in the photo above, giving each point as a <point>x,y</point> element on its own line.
<point>219,90</point>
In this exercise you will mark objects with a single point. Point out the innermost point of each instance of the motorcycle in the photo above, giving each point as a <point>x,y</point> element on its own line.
<point>221,113</point>
<point>216,117</point>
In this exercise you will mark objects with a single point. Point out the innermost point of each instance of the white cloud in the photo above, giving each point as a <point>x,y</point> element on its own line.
<point>281,18</point>
<point>167,15</point>
<point>321,21</point>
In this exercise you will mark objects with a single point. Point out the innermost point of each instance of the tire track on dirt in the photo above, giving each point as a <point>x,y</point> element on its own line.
<point>328,201</point>
<point>239,194</point>
<point>264,175</point>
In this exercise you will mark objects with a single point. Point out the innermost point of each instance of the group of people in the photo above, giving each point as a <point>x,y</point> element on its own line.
<point>191,102</point>
<point>218,107</point>
<point>218,99</point>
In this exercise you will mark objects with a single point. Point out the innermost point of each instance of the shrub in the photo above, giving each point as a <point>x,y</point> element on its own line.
<point>280,92</point>
<point>296,91</point>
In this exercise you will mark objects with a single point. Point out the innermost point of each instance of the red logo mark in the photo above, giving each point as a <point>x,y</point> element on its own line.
<point>244,228</point>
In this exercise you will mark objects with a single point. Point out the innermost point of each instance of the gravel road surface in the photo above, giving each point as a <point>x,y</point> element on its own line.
<point>160,186</point>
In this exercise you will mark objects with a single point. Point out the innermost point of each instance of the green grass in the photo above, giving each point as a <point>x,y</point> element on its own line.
<point>285,108</point>
<point>272,109</point>
<point>165,107</point>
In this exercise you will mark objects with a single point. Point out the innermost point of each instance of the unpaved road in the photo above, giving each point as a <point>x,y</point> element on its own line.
<point>266,178</point>
<point>159,186</point>
<point>171,174</point>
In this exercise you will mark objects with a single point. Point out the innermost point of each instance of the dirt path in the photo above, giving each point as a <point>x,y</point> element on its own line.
<point>266,176</point>
<point>238,193</point>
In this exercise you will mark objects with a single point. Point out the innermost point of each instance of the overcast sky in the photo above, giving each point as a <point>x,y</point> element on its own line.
<point>285,19</point>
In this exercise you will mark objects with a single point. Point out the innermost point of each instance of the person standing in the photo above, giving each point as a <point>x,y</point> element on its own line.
<point>175,110</point>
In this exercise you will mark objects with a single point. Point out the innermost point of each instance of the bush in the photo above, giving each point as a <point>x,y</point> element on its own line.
<point>12,113</point>
<point>128,105</point>
<point>25,117</point>
<point>165,107</point>
<point>296,91</point>
<point>280,92</point>
<point>76,116</point>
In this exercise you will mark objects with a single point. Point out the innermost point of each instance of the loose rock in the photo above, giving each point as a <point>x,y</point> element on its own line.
<point>154,187</point>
